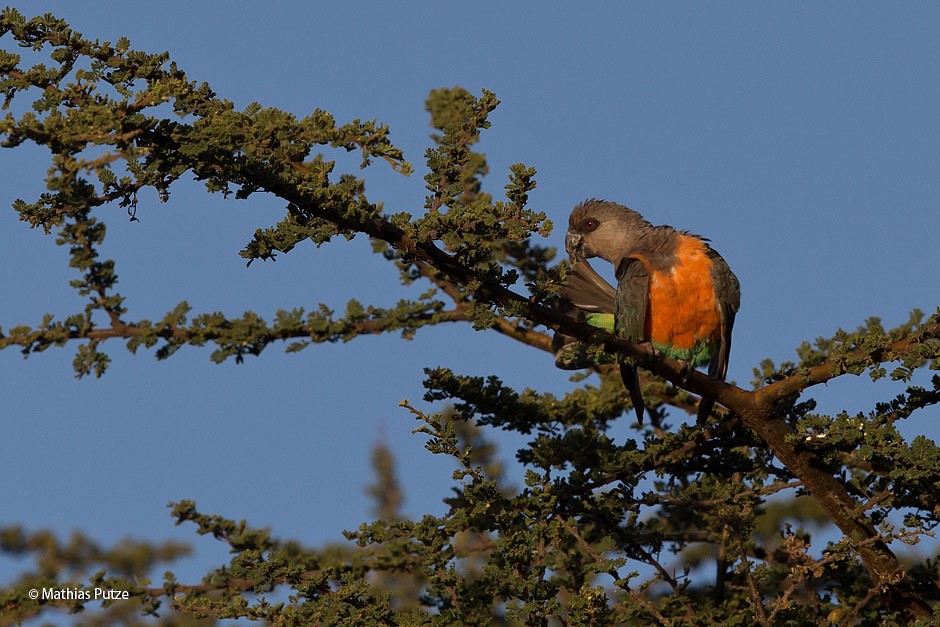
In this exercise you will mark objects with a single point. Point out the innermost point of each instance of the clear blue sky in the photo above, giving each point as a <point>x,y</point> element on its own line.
<point>803,139</point>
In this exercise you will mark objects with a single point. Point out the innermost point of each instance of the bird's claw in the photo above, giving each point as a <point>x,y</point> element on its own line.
<point>685,369</point>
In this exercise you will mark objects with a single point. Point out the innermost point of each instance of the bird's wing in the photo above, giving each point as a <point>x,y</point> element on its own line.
<point>633,288</point>
<point>587,290</point>
<point>633,285</point>
<point>588,297</point>
<point>728,295</point>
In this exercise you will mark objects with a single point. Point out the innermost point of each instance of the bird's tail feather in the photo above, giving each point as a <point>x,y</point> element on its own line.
<point>705,407</point>
<point>632,382</point>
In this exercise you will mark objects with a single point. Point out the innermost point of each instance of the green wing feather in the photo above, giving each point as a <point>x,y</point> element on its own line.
<point>603,321</point>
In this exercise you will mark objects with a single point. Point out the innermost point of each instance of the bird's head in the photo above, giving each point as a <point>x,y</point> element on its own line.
<point>598,228</point>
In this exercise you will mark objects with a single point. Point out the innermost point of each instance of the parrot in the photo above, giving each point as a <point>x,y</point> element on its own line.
<point>673,291</point>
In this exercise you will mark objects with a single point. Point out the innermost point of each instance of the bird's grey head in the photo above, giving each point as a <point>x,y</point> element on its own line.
<point>598,228</point>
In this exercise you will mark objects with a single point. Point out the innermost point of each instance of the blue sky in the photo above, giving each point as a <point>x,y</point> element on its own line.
<point>802,139</point>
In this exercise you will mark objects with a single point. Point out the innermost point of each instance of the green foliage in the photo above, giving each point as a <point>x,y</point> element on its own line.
<point>672,523</point>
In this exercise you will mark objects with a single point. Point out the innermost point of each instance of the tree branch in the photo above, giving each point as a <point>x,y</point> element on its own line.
<point>822,373</point>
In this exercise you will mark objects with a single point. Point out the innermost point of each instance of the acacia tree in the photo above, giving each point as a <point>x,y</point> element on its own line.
<point>674,526</point>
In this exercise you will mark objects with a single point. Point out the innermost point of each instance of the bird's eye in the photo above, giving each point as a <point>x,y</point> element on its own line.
<point>590,224</point>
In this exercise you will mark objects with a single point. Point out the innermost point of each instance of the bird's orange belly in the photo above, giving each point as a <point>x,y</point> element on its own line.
<point>683,317</point>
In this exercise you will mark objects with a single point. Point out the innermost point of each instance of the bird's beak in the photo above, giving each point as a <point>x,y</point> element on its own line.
<point>574,242</point>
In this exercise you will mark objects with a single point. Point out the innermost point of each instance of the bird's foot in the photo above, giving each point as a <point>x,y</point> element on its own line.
<point>685,369</point>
